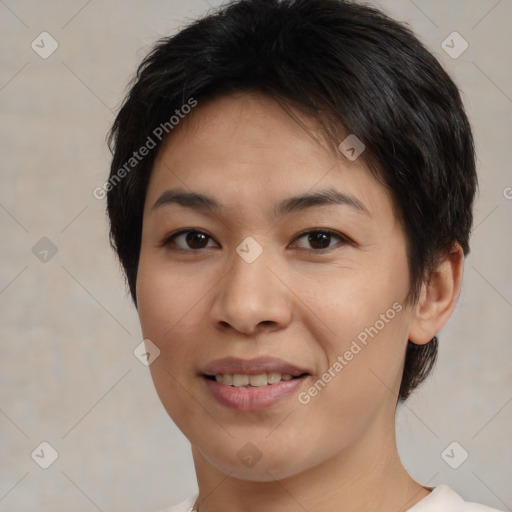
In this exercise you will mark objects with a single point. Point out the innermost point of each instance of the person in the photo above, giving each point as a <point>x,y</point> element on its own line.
<point>290,197</point>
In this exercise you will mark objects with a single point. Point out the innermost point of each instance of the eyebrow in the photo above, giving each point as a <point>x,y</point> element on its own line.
<point>291,205</point>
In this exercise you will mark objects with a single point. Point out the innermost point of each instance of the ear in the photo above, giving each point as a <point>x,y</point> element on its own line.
<point>438,297</point>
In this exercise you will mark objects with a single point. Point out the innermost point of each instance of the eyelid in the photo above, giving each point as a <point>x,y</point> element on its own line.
<point>344,239</point>
<point>168,238</point>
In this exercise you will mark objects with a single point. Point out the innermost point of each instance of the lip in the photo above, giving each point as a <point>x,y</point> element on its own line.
<point>252,399</point>
<point>257,398</point>
<point>232,365</point>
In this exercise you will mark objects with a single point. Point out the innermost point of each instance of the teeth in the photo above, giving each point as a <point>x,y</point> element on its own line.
<point>259,380</point>
<point>240,380</point>
<point>273,378</point>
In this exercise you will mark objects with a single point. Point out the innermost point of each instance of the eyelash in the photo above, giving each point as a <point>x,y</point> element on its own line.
<point>343,239</point>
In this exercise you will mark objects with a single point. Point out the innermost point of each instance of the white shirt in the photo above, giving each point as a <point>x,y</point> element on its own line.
<point>441,499</point>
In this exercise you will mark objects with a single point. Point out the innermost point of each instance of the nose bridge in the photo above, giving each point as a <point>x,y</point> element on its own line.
<point>250,265</point>
<point>250,294</point>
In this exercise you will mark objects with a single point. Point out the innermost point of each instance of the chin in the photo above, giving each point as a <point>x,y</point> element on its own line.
<point>251,464</point>
<point>262,471</point>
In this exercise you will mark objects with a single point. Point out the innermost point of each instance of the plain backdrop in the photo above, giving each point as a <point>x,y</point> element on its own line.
<point>68,329</point>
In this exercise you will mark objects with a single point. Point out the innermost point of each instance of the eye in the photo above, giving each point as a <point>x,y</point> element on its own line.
<point>194,240</point>
<point>187,239</point>
<point>321,239</point>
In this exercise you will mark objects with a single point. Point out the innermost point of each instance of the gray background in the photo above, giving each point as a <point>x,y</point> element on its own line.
<point>68,329</point>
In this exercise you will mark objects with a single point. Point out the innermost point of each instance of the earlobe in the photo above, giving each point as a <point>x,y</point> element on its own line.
<point>438,297</point>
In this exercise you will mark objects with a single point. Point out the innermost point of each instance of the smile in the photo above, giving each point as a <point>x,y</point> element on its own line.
<point>260,380</point>
<point>253,398</point>
<point>252,384</point>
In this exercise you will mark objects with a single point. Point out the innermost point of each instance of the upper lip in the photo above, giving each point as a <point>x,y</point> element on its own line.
<point>256,366</point>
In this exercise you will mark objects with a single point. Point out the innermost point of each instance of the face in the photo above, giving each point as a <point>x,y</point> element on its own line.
<point>281,322</point>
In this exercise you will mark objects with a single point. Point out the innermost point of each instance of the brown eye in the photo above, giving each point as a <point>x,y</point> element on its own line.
<point>188,240</point>
<point>319,240</point>
<point>196,240</point>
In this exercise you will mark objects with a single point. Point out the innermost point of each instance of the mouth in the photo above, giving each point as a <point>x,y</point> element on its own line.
<point>259,380</point>
<point>252,384</point>
<point>251,367</point>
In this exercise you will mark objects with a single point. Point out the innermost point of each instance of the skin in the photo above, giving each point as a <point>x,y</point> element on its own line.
<point>299,303</point>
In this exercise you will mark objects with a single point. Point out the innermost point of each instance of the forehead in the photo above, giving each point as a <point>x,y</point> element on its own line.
<point>248,151</point>
<point>245,127</point>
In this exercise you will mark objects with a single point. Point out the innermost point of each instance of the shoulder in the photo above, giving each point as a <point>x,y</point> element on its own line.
<point>445,499</point>
<point>184,506</point>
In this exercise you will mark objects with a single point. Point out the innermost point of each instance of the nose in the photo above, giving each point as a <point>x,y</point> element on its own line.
<point>252,297</point>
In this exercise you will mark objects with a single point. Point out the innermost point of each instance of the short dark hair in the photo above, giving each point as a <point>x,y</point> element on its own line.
<point>352,69</point>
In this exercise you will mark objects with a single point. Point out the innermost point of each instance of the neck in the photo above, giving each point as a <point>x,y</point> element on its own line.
<point>367,475</point>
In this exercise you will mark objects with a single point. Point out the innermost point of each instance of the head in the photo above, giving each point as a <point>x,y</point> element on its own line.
<point>251,106</point>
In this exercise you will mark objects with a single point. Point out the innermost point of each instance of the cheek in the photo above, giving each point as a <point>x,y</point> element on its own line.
<point>361,327</point>
<point>349,302</point>
<point>167,298</point>
<point>362,373</point>
<point>168,307</point>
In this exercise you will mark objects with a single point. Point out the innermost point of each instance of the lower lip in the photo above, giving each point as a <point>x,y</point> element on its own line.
<point>252,399</point>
